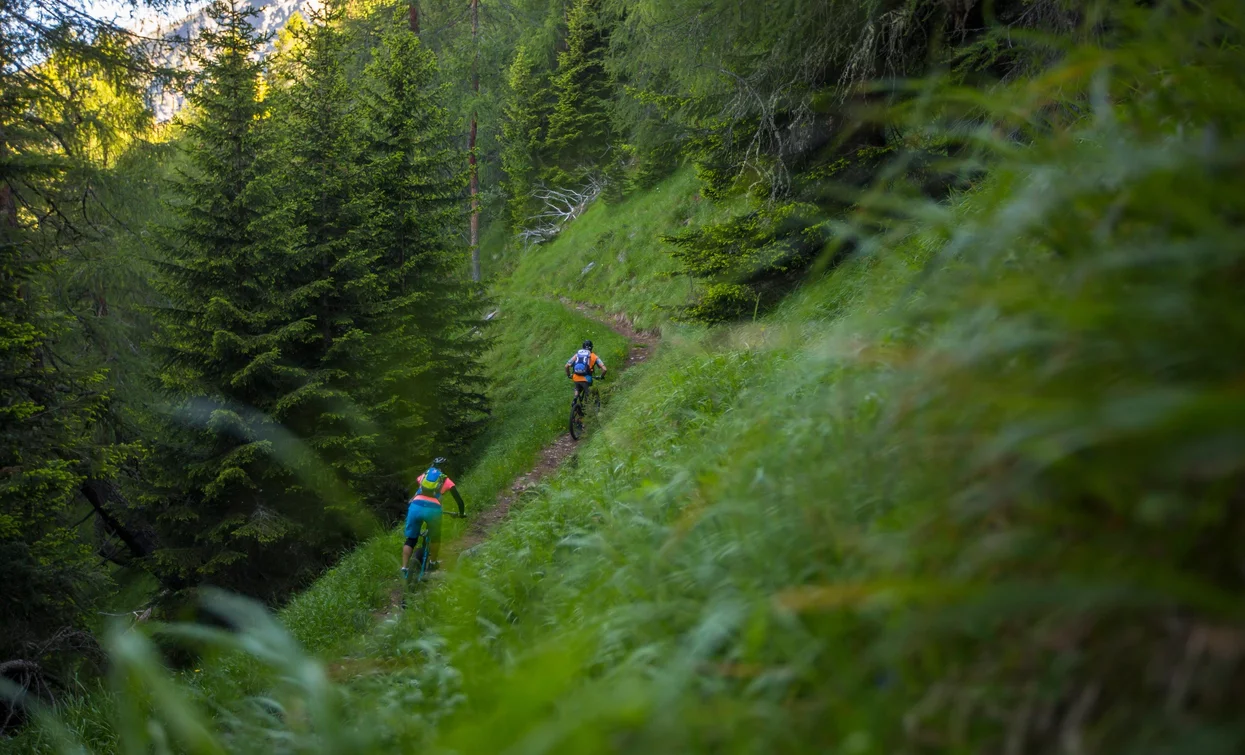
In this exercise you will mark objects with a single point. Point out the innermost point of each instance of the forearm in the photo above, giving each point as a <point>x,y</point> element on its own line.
<point>462,511</point>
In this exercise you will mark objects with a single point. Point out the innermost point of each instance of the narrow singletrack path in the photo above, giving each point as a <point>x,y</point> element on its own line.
<point>642,341</point>
<point>642,345</point>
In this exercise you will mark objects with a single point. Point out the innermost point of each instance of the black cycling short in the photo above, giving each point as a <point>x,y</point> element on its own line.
<point>411,541</point>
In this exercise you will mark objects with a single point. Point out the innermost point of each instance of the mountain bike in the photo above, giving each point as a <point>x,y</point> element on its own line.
<point>419,556</point>
<point>587,403</point>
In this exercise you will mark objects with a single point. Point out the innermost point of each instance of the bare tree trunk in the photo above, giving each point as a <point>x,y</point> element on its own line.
<point>471,144</point>
<point>414,16</point>
<point>8,203</point>
<point>98,493</point>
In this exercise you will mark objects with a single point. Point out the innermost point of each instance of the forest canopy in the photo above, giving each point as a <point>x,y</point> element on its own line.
<point>229,341</point>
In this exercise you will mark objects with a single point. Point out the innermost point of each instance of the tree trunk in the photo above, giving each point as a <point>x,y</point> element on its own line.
<point>471,144</point>
<point>413,16</point>
<point>101,301</point>
<point>8,204</point>
<point>98,493</point>
<point>139,543</point>
<point>475,204</point>
<point>8,208</point>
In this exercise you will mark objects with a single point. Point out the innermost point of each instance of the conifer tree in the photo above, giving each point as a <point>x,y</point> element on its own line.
<point>524,117</point>
<point>228,506</point>
<point>579,139</point>
<point>328,286</point>
<point>427,395</point>
<point>44,416</point>
<point>63,80</point>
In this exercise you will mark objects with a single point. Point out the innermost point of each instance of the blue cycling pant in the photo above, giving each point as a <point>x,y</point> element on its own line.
<point>419,512</point>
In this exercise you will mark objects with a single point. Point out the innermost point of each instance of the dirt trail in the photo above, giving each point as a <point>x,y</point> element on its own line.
<point>642,341</point>
<point>551,456</point>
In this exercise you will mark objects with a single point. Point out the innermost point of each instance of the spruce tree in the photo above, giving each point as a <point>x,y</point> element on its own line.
<point>228,504</point>
<point>579,137</point>
<point>524,117</point>
<point>427,393</point>
<point>329,287</point>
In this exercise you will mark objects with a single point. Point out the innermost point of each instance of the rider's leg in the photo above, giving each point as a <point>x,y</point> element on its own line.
<point>412,532</point>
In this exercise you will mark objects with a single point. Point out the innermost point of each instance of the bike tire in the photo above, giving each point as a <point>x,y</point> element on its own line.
<point>576,423</point>
<point>423,558</point>
<point>594,404</point>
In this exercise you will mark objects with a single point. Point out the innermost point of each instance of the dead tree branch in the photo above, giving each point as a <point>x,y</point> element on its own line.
<point>559,207</point>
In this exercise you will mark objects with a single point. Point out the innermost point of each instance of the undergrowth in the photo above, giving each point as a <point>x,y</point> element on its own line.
<point>530,396</point>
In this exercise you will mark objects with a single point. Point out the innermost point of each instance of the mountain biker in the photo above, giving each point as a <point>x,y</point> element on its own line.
<point>582,365</point>
<point>425,506</point>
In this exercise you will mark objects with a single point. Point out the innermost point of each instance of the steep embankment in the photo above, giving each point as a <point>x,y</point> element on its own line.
<point>605,279</point>
<point>613,258</point>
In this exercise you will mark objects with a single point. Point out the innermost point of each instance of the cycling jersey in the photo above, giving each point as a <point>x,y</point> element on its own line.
<point>594,361</point>
<point>433,500</point>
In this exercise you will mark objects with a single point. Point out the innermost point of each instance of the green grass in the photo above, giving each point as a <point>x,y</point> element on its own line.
<point>934,499</point>
<point>613,256</point>
<point>530,397</point>
<point>656,558</point>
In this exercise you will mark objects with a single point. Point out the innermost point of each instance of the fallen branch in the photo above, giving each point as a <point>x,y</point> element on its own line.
<point>561,206</point>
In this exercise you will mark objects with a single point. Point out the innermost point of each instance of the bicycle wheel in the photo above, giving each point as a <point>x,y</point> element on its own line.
<point>577,420</point>
<point>423,557</point>
<point>593,403</point>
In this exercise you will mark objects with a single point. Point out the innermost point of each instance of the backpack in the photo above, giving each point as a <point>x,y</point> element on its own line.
<point>579,363</point>
<point>431,484</point>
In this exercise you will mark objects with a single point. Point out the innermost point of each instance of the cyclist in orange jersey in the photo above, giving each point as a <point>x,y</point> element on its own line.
<point>581,366</point>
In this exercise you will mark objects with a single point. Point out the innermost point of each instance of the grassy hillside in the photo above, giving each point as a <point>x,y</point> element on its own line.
<point>953,495</point>
<point>613,256</point>
<point>530,395</point>
<point>871,508</point>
